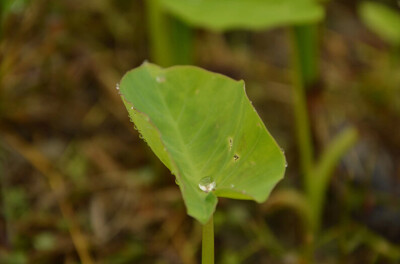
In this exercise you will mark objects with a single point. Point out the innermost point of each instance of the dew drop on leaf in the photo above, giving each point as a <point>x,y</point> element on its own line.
<point>207,184</point>
<point>160,79</point>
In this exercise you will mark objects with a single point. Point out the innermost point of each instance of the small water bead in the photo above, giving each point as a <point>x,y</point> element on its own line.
<point>207,184</point>
<point>160,79</point>
<point>131,107</point>
<point>286,165</point>
<point>117,86</point>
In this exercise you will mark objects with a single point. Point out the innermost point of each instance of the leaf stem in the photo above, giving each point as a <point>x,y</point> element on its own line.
<point>207,254</point>
<point>158,30</point>
<point>171,40</point>
<point>307,39</point>
<point>301,114</point>
<point>323,169</point>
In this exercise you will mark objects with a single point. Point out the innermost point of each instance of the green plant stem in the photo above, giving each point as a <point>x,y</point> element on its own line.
<point>302,123</point>
<point>171,41</point>
<point>307,39</point>
<point>158,30</point>
<point>323,171</point>
<point>181,42</point>
<point>207,254</point>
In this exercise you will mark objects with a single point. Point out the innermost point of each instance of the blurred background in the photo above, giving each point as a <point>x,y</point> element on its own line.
<point>79,186</point>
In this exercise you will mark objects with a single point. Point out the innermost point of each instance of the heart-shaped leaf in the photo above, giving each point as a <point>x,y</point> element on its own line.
<point>223,15</point>
<point>204,129</point>
<point>383,20</point>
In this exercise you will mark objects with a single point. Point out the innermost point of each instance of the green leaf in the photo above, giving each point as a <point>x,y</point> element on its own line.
<point>382,20</point>
<point>205,130</point>
<point>223,15</point>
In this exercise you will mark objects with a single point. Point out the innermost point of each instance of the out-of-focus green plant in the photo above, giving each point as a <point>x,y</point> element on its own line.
<point>385,22</point>
<point>382,20</point>
<point>223,15</point>
<point>203,127</point>
<point>302,16</point>
<point>170,39</point>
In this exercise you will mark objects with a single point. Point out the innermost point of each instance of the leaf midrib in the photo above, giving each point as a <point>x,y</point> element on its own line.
<point>182,144</point>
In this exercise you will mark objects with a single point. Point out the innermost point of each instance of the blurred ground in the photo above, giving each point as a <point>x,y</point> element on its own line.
<point>69,153</point>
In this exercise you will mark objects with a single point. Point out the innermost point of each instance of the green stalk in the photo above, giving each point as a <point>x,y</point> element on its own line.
<point>323,172</point>
<point>302,123</point>
<point>207,254</point>
<point>307,39</point>
<point>170,39</point>
<point>158,29</point>
<point>181,42</point>
<point>302,126</point>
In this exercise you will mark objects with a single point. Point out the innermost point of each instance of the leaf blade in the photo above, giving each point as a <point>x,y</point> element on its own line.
<point>221,15</point>
<point>200,125</point>
<point>382,20</point>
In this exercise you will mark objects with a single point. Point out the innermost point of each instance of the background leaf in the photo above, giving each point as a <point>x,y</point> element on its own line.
<point>204,129</point>
<point>222,15</point>
<point>382,20</point>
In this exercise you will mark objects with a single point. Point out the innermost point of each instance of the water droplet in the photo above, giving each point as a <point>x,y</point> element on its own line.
<point>131,107</point>
<point>117,86</point>
<point>160,79</point>
<point>207,184</point>
<point>236,157</point>
<point>286,165</point>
